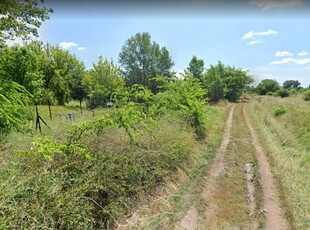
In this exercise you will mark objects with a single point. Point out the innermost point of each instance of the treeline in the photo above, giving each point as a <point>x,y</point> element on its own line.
<point>272,87</point>
<point>40,73</point>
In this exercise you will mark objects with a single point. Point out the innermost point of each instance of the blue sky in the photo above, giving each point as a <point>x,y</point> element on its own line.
<point>270,38</point>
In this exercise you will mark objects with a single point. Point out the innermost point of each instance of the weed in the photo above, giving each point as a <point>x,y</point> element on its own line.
<point>279,110</point>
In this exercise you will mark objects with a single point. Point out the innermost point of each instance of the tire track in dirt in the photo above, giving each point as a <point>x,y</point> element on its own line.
<point>216,168</point>
<point>271,202</point>
<point>190,220</point>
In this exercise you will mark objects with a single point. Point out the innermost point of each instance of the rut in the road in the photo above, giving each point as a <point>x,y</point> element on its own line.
<point>271,202</point>
<point>216,168</point>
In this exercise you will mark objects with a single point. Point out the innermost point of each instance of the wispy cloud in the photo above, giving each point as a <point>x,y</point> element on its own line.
<point>67,45</point>
<point>252,34</point>
<point>269,4</point>
<point>308,67</point>
<point>81,48</point>
<point>302,53</point>
<point>291,60</point>
<point>254,42</point>
<point>283,53</point>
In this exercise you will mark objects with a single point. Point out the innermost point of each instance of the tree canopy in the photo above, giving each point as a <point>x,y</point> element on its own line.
<point>21,18</point>
<point>291,84</point>
<point>266,86</point>
<point>196,68</point>
<point>102,81</point>
<point>226,82</point>
<point>142,60</point>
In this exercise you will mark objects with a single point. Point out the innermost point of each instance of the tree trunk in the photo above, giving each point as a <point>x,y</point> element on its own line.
<point>49,108</point>
<point>81,106</point>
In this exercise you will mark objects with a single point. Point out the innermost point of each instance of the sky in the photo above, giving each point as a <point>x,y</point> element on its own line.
<point>270,38</point>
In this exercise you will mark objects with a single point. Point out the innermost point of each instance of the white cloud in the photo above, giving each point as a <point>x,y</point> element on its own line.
<point>269,4</point>
<point>16,41</point>
<point>308,67</point>
<point>179,74</point>
<point>253,34</point>
<point>254,42</point>
<point>283,53</point>
<point>302,53</point>
<point>81,48</point>
<point>67,45</point>
<point>291,60</point>
<point>248,35</point>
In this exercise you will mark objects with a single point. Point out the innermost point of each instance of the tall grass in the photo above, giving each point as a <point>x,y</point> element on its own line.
<point>71,192</point>
<point>287,139</point>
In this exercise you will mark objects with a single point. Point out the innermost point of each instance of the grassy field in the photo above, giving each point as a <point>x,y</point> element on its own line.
<point>71,192</point>
<point>287,140</point>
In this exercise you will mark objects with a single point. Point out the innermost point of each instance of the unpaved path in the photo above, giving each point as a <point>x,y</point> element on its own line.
<point>271,202</point>
<point>190,220</point>
<point>215,170</point>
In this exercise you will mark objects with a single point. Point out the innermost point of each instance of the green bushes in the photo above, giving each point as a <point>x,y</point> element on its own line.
<point>306,95</point>
<point>279,110</point>
<point>283,92</point>
<point>73,193</point>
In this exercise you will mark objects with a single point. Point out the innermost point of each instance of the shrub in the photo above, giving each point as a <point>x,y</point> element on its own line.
<point>306,95</point>
<point>283,92</point>
<point>269,93</point>
<point>279,110</point>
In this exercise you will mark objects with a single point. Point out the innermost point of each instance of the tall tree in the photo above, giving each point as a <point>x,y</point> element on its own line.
<point>267,85</point>
<point>102,81</point>
<point>142,60</point>
<point>196,68</point>
<point>76,76</point>
<point>21,18</point>
<point>21,65</point>
<point>291,84</point>
<point>214,82</point>
<point>226,82</point>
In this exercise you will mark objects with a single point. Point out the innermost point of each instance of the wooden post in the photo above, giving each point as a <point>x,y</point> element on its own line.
<point>49,108</point>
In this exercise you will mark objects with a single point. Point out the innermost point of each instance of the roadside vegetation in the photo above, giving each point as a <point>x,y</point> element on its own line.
<point>81,148</point>
<point>287,140</point>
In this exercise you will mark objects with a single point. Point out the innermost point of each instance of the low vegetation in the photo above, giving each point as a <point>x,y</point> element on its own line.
<point>279,110</point>
<point>287,140</point>
<point>306,95</point>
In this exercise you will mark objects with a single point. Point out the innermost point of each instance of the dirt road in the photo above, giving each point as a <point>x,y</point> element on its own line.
<point>236,196</point>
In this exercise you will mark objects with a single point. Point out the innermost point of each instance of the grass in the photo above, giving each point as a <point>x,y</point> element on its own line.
<point>172,201</point>
<point>287,141</point>
<point>70,192</point>
<point>231,196</point>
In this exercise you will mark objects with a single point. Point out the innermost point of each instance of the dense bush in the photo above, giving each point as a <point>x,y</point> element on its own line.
<point>267,85</point>
<point>70,192</point>
<point>283,92</point>
<point>279,110</point>
<point>306,95</point>
<point>269,93</point>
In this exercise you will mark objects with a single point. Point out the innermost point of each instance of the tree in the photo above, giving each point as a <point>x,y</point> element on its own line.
<point>267,85</point>
<point>196,68</point>
<point>14,101</point>
<point>235,83</point>
<point>214,82</point>
<point>102,81</point>
<point>291,84</point>
<point>76,76</point>
<point>142,60</point>
<point>226,82</point>
<point>21,18</point>
<point>21,65</point>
